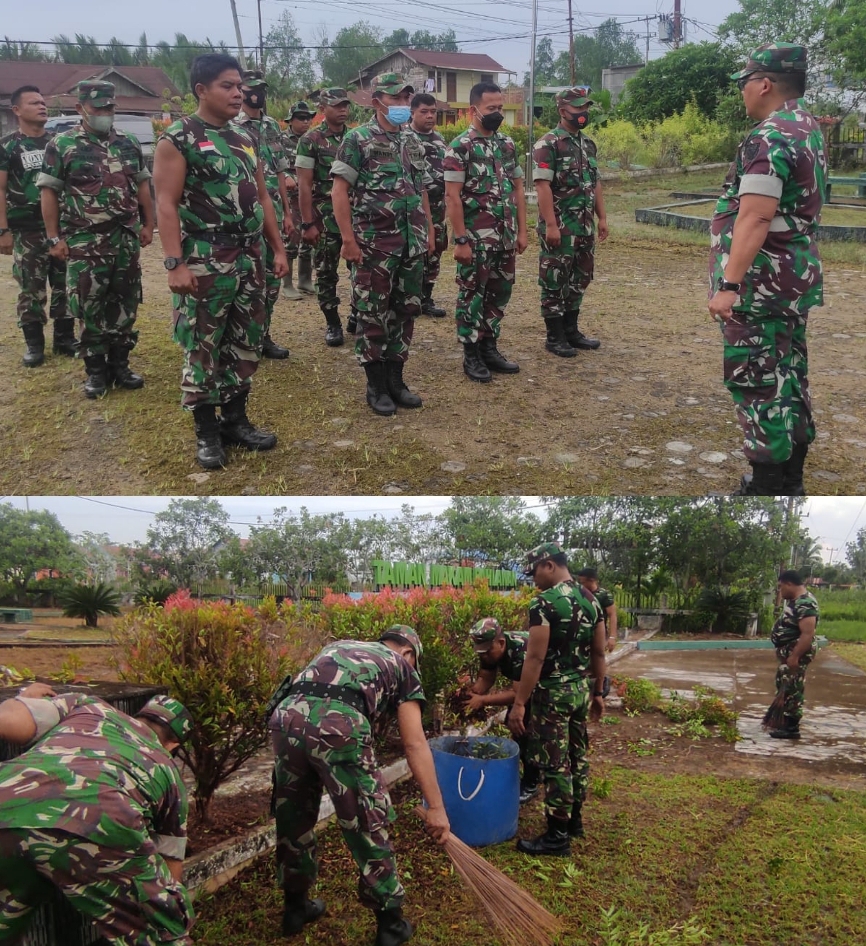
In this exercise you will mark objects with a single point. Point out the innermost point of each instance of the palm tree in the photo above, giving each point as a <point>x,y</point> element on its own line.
<point>89,601</point>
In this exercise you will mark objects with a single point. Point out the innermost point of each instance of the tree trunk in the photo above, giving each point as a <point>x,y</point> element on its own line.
<point>90,620</point>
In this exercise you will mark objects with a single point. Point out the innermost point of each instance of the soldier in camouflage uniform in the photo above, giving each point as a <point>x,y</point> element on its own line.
<point>268,139</point>
<point>381,207</point>
<point>487,211</point>
<point>213,209</point>
<point>588,578</point>
<point>97,809</point>
<point>793,636</point>
<point>502,652</point>
<point>566,644</point>
<point>22,230</point>
<point>95,189</point>
<point>298,122</point>
<point>765,269</point>
<point>424,125</point>
<point>316,152</point>
<point>569,192</point>
<point>322,732</point>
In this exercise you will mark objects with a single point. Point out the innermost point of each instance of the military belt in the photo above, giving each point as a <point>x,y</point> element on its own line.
<point>328,691</point>
<point>218,238</point>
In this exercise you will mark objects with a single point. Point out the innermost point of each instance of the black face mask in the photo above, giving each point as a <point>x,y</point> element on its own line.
<point>581,120</point>
<point>255,99</point>
<point>492,121</point>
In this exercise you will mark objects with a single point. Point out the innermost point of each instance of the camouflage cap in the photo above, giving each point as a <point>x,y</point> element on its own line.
<point>405,634</point>
<point>96,92</point>
<point>483,633</point>
<point>774,57</point>
<point>254,79</point>
<point>333,96</point>
<point>576,96</point>
<point>391,83</point>
<point>540,554</point>
<point>300,110</point>
<point>170,712</point>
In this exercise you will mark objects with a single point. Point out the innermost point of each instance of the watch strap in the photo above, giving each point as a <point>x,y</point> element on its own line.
<point>725,286</point>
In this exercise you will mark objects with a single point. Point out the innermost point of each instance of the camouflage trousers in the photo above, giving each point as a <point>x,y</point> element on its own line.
<point>386,294</point>
<point>272,286</point>
<point>793,681</point>
<point>559,743</point>
<point>128,894</point>
<point>483,291</point>
<point>222,329</point>
<point>295,246</point>
<point>765,369</point>
<point>32,268</point>
<point>440,231</point>
<point>333,752</point>
<point>103,289</point>
<point>564,274</point>
<point>326,258</point>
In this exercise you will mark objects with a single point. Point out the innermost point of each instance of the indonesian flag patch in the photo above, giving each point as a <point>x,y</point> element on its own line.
<point>542,164</point>
<point>207,147</point>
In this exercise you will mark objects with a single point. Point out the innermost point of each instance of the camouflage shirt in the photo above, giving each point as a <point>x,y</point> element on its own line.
<point>290,150</point>
<point>317,150</point>
<point>786,630</point>
<point>267,138</point>
<point>571,614</point>
<point>21,158</point>
<point>91,768</point>
<point>434,152</point>
<point>220,191</point>
<point>568,162</point>
<point>387,175</point>
<point>96,179</point>
<point>487,168</point>
<point>782,157</point>
<point>511,664</point>
<point>604,599</point>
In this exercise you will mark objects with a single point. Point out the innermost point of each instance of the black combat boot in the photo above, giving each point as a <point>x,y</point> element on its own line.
<point>494,359</point>
<point>298,910</point>
<point>575,337</point>
<point>97,376</point>
<point>34,336</point>
<point>766,479</point>
<point>400,394</point>
<point>119,373</point>
<point>378,395</point>
<point>792,471</point>
<point>428,306</point>
<point>208,442</point>
<point>270,349</point>
<point>305,274</point>
<point>473,367</point>
<point>65,342</point>
<point>575,822</point>
<point>334,334</point>
<point>790,729</point>
<point>554,841</point>
<point>392,928</point>
<point>235,426</point>
<point>556,342</point>
<point>352,323</point>
<point>529,788</point>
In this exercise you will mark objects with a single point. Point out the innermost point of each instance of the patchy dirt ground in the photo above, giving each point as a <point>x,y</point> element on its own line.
<point>647,413</point>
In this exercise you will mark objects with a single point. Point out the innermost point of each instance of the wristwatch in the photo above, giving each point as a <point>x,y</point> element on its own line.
<point>461,240</point>
<point>306,226</point>
<point>724,286</point>
<point>598,693</point>
<point>53,241</point>
<point>172,262</point>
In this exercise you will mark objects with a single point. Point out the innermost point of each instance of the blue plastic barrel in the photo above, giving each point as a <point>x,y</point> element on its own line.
<point>482,796</point>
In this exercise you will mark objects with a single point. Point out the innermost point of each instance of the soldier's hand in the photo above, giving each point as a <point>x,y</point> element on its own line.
<point>6,244</point>
<point>596,709</point>
<point>431,243</point>
<point>515,720</point>
<point>474,702</point>
<point>60,251</point>
<point>793,663</point>
<point>437,824</point>
<point>291,183</point>
<point>552,236</point>
<point>351,252</point>
<point>611,643</point>
<point>522,243</point>
<point>288,226</point>
<point>310,235</point>
<point>36,691</point>
<point>182,281</point>
<point>146,236</point>
<point>721,306</point>
<point>463,253</point>
<point>281,265</point>
<point>602,229</point>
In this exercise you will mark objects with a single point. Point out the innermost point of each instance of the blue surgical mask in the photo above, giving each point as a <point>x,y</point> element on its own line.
<point>399,114</point>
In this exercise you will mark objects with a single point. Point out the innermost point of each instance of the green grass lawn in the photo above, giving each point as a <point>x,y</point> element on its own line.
<point>844,630</point>
<point>854,653</point>
<point>752,863</point>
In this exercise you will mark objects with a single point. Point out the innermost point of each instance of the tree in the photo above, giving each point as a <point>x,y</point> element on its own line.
<point>856,555</point>
<point>611,46</point>
<point>10,51</point>
<point>31,542</point>
<point>445,42</point>
<point>89,601</point>
<point>353,48</point>
<point>185,540</point>
<point>289,63</point>
<point>697,71</point>
<point>490,528</point>
<point>770,21</point>
<point>545,70</point>
<point>845,41</point>
<point>100,565</point>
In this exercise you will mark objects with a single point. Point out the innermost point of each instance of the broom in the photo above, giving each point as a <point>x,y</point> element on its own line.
<point>774,718</point>
<point>518,918</point>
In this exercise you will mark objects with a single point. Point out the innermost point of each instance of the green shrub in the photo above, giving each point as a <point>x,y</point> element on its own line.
<point>156,592</point>
<point>620,142</point>
<point>639,695</point>
<point>692,717</point>
<point>89,602</point>
<point>730,609</point>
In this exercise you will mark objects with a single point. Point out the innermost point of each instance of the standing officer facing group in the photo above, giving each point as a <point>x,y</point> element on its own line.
<point>22,231</point>
<point>569,192</point>
<point>298,124</point>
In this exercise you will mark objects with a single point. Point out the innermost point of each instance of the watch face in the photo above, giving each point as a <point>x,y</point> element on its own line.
<point>170,263</point>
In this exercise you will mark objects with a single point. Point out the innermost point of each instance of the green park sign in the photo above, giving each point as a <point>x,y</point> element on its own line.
<point>413,574</point>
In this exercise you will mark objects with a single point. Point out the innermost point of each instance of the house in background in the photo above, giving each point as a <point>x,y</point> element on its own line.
<point>141,90</point>
<point>448,77</point>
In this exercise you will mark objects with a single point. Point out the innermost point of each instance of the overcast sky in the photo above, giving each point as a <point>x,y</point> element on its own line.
<point>833,520</point>
<point>500,28</point>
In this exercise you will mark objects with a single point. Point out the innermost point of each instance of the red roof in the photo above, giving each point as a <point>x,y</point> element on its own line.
<point>477,62</point>
<point>58,79</point>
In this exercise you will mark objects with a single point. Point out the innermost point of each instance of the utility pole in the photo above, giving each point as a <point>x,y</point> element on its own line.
<point>571,41</point>
<point>677,24</point>
<point>646,52</point>
<point>261,38</point>
<point>531,116</point>
<point>241,55</point>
